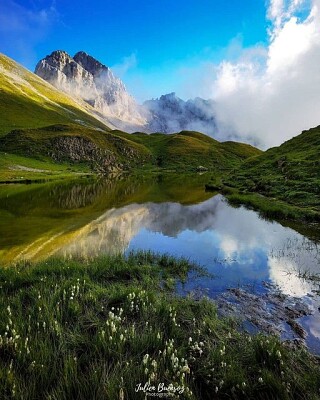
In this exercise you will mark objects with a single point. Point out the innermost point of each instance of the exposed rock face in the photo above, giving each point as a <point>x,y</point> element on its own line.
<point>171,114</point>
<point>65,73</point>
<point>84,77</point>
<point>79,149</point>
<point>107,155</point>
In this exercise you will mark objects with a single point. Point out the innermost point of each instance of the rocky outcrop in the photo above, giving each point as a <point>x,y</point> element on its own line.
<point>80,149</point>
<point>84,77</point>
<point>120,156</point>
<point>104,153</point>
<point>66,74</point>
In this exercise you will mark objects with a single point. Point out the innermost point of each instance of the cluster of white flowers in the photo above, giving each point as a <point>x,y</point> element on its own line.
<point>150,368</point>
<point>223,350</point>
<point>176,369</point>
<point>138,301</point>
<point>10,337</point>
<point>173,315</point>
<point>74,291</point>
<point>197,348</point>
<point>114,331</point>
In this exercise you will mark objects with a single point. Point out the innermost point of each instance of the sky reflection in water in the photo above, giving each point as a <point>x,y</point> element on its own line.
<point>234,244</point>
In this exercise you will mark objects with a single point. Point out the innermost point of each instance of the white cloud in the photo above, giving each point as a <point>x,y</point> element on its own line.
<point>272,97</point>
<point>229,246</point>
<point>22,28</point>
<point>264,94</point>
<point>275,12</point>
<point>285,274</point>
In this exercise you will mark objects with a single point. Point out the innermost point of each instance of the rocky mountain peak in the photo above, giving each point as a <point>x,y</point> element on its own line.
<point>59,55</point>
<point>62,71</point>
<point>169,97</point>
<point>58,59</point>
<point>89,63</point>
<point>86,78</point>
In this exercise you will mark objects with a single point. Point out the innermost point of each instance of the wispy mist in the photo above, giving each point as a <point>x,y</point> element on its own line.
<point>170,114</point>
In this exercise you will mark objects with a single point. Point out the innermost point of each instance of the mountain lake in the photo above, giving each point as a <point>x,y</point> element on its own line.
<point>261,271</point>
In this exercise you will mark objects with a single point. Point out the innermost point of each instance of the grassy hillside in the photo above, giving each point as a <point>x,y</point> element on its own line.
<point>78,148</point>
<point>189,150</point>
<point>75,146</point>
<point>40,123</point>
<point>290,172</point>
<point>19,168</point>
<point>27,101</point>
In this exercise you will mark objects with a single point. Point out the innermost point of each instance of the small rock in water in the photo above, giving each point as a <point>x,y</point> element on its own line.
<point>297,328</point>
<point>294,344</point>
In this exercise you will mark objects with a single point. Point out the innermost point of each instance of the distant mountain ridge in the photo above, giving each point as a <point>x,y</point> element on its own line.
<point>39,122</point>
<point>170,114</point>
<point>84,77</point>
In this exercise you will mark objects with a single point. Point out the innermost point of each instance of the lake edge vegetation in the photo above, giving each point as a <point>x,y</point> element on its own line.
<point>96,328</point>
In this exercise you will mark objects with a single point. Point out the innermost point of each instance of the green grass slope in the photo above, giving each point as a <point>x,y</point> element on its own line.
<point>27,101</point>
<point>15,168</point>
<point>188,150</point>
<point>290,172</point>
<point>75,146</point>
<point>40,123</point>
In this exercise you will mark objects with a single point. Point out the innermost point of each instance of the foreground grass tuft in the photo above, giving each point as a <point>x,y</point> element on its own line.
<point>94,329</point>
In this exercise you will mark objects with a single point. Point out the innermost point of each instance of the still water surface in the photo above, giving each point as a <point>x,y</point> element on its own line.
<point>167,215</point>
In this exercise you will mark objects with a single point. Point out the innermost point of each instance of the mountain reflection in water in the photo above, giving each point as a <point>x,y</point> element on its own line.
<point>233,243</point>
<point>163,214</point>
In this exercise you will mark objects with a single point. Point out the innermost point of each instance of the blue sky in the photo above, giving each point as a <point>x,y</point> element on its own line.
<point>141,39</point>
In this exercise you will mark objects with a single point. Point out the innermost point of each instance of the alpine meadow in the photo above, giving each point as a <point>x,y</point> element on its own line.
<point>159,200</point>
